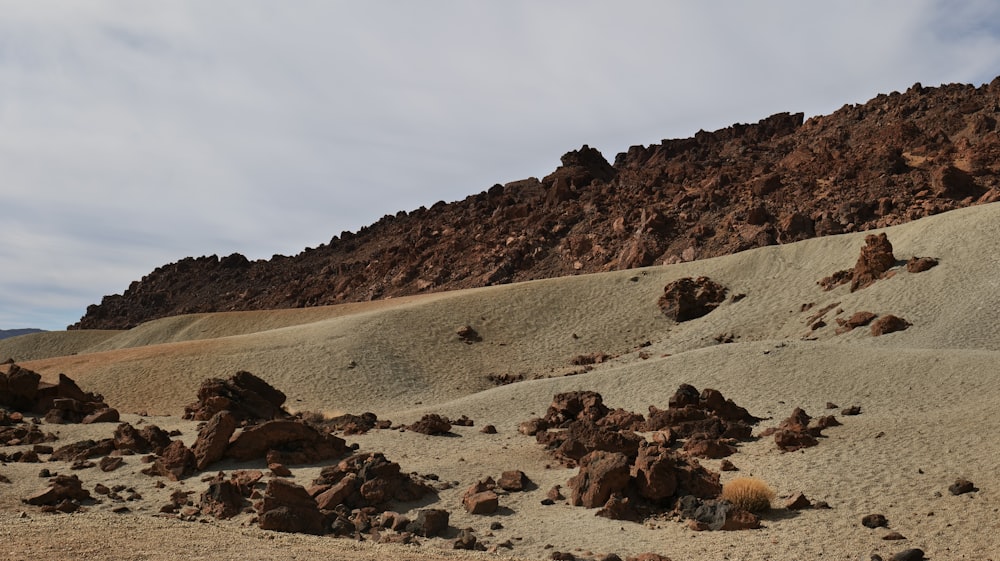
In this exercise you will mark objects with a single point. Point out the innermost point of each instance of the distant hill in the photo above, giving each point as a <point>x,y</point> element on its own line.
<point>896,158</point>
<point>5,333</point>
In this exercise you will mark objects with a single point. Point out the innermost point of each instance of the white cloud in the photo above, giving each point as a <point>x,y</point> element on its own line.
<point>136,133</point>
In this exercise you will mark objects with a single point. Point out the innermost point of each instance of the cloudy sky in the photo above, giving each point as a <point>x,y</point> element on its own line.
<point>135,133</point>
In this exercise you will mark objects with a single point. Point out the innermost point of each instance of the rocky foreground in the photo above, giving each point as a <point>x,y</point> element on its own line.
<point>896,158</point>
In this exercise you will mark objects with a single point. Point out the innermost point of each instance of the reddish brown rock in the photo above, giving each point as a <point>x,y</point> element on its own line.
<point>244,395</point>
<point>61,488</point>
<point>572,406</point>
<point>287,507</point>
<point>429,523</point>
<point>920,264</point>
<point>961,486</point>
<point>874,262</point>
<point>213,439</point>
<point>468,335</point>
<point>175,463</point>
<point>513,480</point>
<point>690,298</point>
<point>106,415</point>
<point>888,324</point>
<point>431,424</point>
<point>700,446</point>
<point>858,319</point>
<point>111,463</point>
<point>286,442</point>
<point>798,501</point>
<point>582,437</point>
<point>224,498</point>
<point>485,502</point>
<point>601,474</point>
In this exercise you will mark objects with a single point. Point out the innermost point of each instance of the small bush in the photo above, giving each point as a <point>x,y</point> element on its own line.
<point>748,493</point>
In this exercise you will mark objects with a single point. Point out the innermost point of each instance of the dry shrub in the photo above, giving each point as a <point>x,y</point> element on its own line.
<point>748,493</point>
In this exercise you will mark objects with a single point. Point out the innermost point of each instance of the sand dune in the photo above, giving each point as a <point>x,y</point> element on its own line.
<point>929,393</point>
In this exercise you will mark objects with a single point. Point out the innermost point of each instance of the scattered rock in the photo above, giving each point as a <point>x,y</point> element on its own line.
<point>892,536</point>
<point>920,264</point>
<point>908,555</point>
<point>61,488</point>
<point>961,486</point>
<point>468,335</point>
<point>513,480</point>
<point>875,521</point>
<point>888,324</point>
<point>429,522</point>
<point>798,501</point>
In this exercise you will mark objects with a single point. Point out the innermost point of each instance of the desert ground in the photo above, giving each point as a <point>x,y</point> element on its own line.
<point>929,397</point>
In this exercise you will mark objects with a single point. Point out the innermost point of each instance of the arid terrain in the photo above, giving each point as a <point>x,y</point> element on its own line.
<point>926,400</point>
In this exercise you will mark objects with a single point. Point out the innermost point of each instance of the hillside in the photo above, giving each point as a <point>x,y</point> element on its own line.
<point>926,396</point>
<point>896,158</point>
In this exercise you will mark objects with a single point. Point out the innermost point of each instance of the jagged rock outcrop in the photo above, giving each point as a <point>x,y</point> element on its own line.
<point>896,158</point>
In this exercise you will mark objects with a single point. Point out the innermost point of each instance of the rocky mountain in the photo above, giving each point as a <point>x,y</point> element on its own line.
<point>896,158</point>
<point>5,333</point>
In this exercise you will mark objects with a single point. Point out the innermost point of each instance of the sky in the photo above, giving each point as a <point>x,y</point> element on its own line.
<point>135,133</point>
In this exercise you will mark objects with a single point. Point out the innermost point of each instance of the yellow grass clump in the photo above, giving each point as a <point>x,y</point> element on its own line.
<point>748,493</point>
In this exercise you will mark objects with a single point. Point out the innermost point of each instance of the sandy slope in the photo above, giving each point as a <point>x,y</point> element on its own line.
<point>929,395</point>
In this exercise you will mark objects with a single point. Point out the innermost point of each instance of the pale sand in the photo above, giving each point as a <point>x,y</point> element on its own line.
<point>929,397</point>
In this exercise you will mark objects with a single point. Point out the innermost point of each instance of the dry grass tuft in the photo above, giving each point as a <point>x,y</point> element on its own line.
<point>748,493</point>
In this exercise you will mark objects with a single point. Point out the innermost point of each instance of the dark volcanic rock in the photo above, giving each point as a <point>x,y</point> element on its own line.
<point>213,439</point>
<point>874,262</point>
<point>601,474</point>
<point>285,442</point>
<point>896,158</point>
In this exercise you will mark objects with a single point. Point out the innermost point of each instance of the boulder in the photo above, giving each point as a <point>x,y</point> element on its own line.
<point>601,474</point>
<point>431,424</point>
<point>287,507</point>
<point>244,395</point>
<point>224,498</point>
<point>888,324</point>
<point>61,488</point>
<point>213,439</point>
<point>690,298</point>
<point>285,441</point>
<point>175,462</point>
<point>430,522</point>
<point>513,480</point>
<point>874,262</point>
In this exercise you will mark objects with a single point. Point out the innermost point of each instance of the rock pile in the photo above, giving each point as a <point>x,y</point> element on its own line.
<point>623,474</point>
<point>799,430</point>
<point>63,402</point>
<point>245,396</point>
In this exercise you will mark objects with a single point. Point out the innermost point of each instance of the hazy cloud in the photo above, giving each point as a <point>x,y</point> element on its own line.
<point>133,134</point>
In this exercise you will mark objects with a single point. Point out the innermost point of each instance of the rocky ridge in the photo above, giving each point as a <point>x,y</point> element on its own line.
<point>896,158</point>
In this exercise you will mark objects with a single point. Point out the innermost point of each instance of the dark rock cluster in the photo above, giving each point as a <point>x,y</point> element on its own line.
<point>628,477</point>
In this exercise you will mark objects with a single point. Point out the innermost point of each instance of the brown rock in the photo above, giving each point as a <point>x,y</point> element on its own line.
<point>513,480</point>
<point>920,264</point>
<point>338,493</point>
<point>111,463</point>
<point>690,298</point>
<point>431,424</point>
<point>858,319</point>
<point>287,507</point>
<point>61,487</point>
<point>874,262</point>
<point>429,522</point>
<point>175,463</point>
<point>245,396</point>
<point>701,446</point>
<point>874,521</point>
<point>572,406</point>
<point>961,486</point>
<point>485,502</point>
<point>106,415</point>
<point>601,474</point>
<point>213,439</point>
<point>798,501</point>
<point>285,441</point>
<point>908,555</point>
<point>888,324</point>
<point>469,335</point>
<point>224,498</point>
